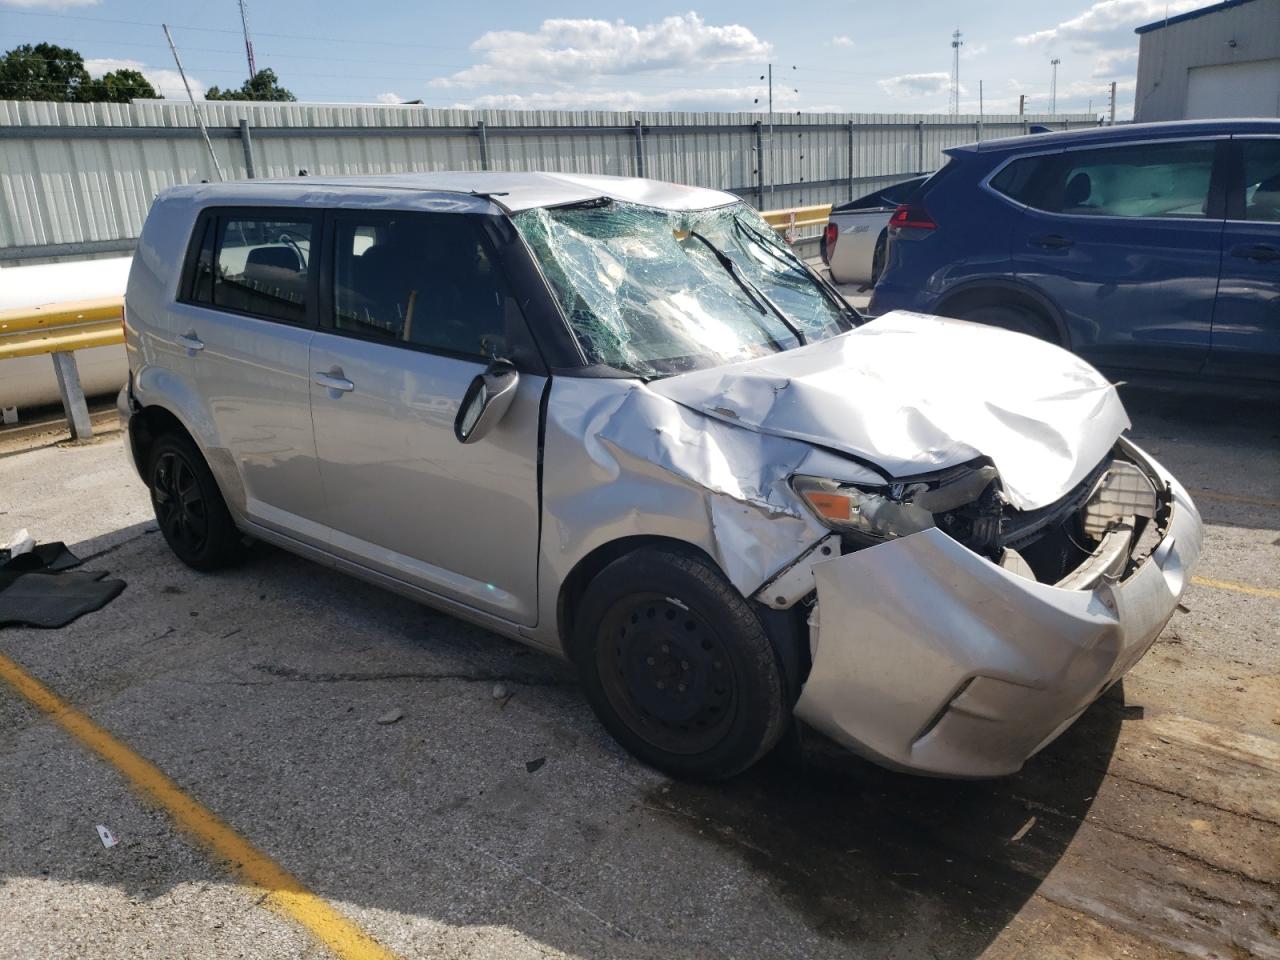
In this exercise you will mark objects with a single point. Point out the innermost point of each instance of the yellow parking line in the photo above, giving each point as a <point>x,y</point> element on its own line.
<point>1236,587</point>
<point>1235,498</point>
<point>283,892</point>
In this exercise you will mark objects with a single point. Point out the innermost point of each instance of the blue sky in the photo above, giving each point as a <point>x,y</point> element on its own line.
<point>858,56</point>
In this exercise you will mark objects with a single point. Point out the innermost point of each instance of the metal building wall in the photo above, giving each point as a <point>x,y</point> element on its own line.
<point>77,179</point>
<point>1167,54</point>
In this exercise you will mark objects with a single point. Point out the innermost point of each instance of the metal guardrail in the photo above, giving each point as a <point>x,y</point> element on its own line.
<point>797,218</point>
<point>60,329</point>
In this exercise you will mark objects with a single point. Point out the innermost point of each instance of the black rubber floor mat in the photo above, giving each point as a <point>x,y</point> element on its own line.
<point>37,590</point>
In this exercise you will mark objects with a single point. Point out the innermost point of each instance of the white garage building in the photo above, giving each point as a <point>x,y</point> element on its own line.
<point>1218,61</point>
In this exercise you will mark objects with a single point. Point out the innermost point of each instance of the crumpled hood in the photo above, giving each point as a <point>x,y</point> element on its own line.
<point>913,393</point>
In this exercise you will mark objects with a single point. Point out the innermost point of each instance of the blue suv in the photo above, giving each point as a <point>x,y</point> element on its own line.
<point>1146,247</point>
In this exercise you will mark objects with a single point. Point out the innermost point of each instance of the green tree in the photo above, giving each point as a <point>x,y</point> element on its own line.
<point>120,86</point>
<point>49,72</point>
<point>263,85</point>
<point>42,72</point>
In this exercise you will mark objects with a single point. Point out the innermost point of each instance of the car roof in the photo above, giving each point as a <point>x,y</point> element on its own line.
<point>510,191</point>
<point>1123,132</point>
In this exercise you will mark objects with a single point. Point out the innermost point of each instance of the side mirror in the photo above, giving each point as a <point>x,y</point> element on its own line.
<point>486,401</point>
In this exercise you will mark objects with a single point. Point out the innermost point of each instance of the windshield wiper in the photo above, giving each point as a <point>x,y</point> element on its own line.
<point>799,266</point>
<point>756,295</point>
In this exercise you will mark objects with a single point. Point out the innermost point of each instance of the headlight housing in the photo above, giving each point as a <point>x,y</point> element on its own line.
<point>873,512</point>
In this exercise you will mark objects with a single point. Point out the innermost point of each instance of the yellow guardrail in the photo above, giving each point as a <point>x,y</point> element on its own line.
<point>60,327</point>
<point>798,218</point>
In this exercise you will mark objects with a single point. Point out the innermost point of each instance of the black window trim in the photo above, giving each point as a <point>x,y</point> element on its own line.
<point>217,215</point>
<point>1235,184</point>
<point>1217,187</point>
<point>327,278</point>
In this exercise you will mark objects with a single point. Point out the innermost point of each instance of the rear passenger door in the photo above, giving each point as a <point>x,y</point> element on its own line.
<point>414,305</point>
<point>1125,241</point>
<point>1246,323</point>
<point>246,315</point>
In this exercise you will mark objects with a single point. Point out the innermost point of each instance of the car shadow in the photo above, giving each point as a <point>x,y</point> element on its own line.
<point>864,853</point>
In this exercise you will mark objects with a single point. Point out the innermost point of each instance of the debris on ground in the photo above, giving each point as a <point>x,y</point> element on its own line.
<point>1023,830</point>
<point>108,838</point>
<point>499,691</point>
<point>391,716</point>
<point>533,766</point>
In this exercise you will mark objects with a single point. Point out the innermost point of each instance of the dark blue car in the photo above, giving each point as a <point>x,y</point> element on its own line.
<point>1147,247</point>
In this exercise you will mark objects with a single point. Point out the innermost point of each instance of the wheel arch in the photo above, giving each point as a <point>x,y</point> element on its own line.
<point>585,570</point>
<point>986,289</point>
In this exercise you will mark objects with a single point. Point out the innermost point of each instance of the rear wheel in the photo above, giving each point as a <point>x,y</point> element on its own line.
<point>189,508</point>
<point>878,258</point>
<point>1009,315</point>
<point>677,665</point>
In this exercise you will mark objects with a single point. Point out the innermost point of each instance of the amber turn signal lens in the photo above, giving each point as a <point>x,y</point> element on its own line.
<point>833,506</point>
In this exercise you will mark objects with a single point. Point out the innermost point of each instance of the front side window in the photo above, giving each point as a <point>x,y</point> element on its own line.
<point>657,292</point>
<point>1145,180</point>
<point>260,268</point>
<point>423,279</point>
<point>1262,180</point>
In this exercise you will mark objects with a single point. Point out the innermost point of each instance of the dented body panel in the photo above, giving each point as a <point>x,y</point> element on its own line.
<point>931,659</point>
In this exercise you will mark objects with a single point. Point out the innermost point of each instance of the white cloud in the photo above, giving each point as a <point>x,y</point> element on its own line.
<point>389,98</point>
<point>1110,16</point>
<point>968,52</point>
<point>1112,62</point>
<point>49,4</point>
<point>168,83</point>
<point>566,51</point>
<point>916,84</point>
<point>841,41</point>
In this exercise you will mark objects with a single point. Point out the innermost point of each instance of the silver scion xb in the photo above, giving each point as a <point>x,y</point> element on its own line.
<point>619,420</point>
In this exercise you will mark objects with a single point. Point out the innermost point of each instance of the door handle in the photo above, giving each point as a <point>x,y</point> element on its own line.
<point>1258,251</point>
<point>334,381</point>
<point>190,342</point>
<point>1051,241</point>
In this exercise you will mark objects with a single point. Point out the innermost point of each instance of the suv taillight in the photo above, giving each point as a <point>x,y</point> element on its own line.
<point>912,216</point>
<point>829,236</point>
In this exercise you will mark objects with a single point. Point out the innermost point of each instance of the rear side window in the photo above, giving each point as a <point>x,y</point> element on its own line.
<point>428,280</point>
<point>256,265</point>
<point>1018,178</point>
<point>1142,180</point>
<point>1262,180</point>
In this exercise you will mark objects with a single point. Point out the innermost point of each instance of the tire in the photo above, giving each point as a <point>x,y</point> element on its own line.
<point>878,257</point>
<point>189,508</point>
<point>1011,316</point>
<point>678,667</point>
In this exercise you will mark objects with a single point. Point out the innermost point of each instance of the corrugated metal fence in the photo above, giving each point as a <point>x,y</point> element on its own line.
<point>77,179</point>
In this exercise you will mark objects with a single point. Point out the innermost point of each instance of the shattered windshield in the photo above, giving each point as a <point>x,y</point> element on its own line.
<point>657,292</point>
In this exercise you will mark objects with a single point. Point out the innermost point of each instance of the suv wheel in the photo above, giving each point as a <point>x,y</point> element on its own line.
<point>1011,316</point>
<point>678,667</point>
<point>189,507</point>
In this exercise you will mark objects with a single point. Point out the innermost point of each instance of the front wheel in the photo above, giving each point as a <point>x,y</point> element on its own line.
<point>678,667</point>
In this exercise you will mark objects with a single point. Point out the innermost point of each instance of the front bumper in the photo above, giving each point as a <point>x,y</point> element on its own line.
<point>125,409</point>
<point>931,659</point>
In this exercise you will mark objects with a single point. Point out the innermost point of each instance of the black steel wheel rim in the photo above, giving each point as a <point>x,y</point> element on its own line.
<point>667,673</point>
<point>179,503</point>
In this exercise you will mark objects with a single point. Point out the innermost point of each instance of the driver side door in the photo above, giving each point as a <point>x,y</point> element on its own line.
<point>412,307</point>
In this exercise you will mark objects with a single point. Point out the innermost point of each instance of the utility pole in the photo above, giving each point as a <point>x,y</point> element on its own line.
<point>956,44</point>
<point>1022,104</point>
<point>771,133</point>
<point>981,111</point>
<point>1112,109</point>
<point>248,43</point>
<point>204,131</point>
<point>1053,88</point>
